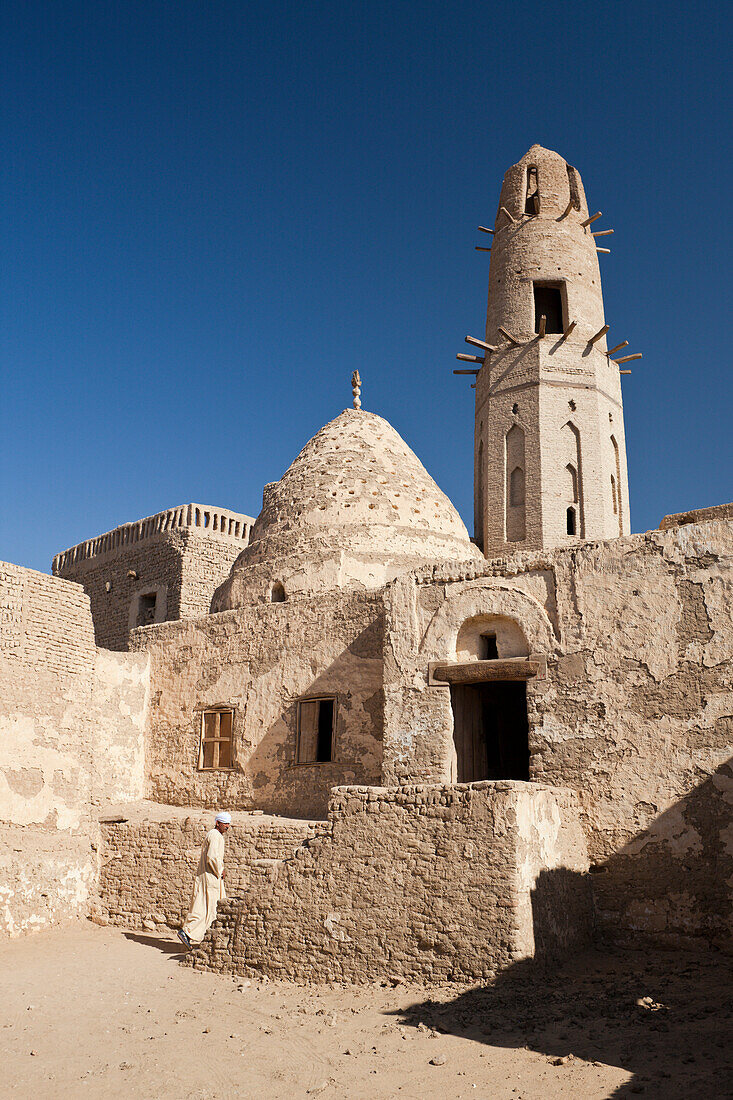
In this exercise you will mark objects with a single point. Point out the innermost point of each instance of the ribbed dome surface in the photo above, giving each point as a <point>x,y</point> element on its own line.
<point>356,507</point>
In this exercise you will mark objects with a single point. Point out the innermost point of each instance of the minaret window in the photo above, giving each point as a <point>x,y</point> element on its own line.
<point>548,304</point>
<point>532,201</point>
<point>571,521</point>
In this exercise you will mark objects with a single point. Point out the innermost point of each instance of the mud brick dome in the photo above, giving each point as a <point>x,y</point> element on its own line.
<point>354,509</point>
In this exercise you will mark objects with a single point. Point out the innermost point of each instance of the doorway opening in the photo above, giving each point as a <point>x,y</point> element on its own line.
<point>490,730</point>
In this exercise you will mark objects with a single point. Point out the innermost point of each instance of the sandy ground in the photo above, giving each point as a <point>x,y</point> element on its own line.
<point>99,1012</point>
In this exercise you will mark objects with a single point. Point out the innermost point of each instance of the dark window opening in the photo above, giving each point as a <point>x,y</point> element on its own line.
<point>277,593</point>
<point>490,730</point>
<point>548,304</point>
<point>488,650</point>
<point>315,730</point>
<point>146,609</point>
<point>532,201</point>
<point>571,524</point>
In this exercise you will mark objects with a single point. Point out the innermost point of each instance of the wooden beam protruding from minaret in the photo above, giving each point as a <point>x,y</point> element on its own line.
<point>470,358</point>
<point>601,233</point>
<point>480,343</point>
<point>510,338</point>
<point>569,329</point>
<point>623,344</point>
<point>479,248</point>
<point>485,229</point>
<point>504,209</point>
<point>606,250</point>
<point>601,332</point>
<point>543,326</point>
<point>628,358</point>
<point>592,218</point>
<point>465,372</point>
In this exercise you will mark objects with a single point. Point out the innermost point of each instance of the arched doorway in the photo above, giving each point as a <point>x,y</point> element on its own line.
<point>488,690</point>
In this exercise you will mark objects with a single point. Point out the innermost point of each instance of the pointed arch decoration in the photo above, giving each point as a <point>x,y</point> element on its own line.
<point>515,485</point>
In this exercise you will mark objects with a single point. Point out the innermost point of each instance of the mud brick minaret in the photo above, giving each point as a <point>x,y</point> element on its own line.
<point>550,452</point>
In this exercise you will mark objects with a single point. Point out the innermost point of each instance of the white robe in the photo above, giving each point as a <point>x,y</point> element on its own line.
<point>208,887</point>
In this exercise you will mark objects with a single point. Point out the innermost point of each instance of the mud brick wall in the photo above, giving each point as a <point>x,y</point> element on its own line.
<point>415,883</point>
<point>260,660</point>
<point>71,738</point>
<point>635,712</point>
<point>183,566</point>
<point>147,867</point>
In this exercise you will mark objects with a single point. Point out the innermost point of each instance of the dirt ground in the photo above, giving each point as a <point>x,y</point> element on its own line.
<point>99,1012</point>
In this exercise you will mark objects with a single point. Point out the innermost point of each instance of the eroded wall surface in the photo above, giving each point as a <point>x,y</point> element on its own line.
<point>71,738</point>
<point>260,661</point>
<point>149,854</point>
<point>416,883</point>
<point>635,713</point>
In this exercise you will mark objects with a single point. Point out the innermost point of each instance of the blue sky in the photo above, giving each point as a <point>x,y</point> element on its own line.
<point>213,212</point>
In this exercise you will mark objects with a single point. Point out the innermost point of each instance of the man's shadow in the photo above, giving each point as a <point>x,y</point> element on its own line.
<point>170,945</point>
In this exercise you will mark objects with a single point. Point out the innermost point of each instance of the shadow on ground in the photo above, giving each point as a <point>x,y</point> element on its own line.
<point>666,1018</point>
<point>172,946</point>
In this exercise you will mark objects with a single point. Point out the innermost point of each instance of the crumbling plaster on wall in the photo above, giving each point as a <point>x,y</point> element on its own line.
<point>637,706</point>
<point>260,660</point>
<point>71,737</point>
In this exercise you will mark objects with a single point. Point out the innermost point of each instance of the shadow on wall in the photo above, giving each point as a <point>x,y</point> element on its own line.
<point>674,881</point>
<point>665,1017</point>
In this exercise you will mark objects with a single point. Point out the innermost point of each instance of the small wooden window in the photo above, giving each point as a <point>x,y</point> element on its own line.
<point>316,720</point>
<point>216,739</point>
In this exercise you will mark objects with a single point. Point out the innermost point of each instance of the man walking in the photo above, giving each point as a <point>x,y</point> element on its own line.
<point>208,887</point>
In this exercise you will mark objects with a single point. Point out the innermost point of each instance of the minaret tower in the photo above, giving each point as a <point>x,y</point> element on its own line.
<point>550,452</point>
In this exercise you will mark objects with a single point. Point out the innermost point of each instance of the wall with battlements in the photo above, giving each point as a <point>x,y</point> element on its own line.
<point>416,884</point>
<point>157,569</point>
<point>71,739</point>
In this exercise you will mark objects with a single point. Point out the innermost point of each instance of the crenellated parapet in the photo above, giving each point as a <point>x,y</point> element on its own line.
<point>200,518</point>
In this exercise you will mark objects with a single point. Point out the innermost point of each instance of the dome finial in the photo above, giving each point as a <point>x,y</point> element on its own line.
<point>356,388</point>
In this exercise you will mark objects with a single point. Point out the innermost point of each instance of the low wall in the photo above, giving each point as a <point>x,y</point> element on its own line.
<point>427,883</point>
<point>148,860</point>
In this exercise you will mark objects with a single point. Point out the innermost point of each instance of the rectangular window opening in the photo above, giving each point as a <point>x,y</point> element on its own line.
<point>316,722</point>
<point>548,303</point>
<point>215,751</point>
<point>146,609</point>
<point>532,200</point>
<point>489,652</point>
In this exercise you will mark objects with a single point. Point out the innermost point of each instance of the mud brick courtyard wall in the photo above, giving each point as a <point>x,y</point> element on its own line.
<point>149,859</point>
<point>415,883</point>
<point>71,739</point>
<point>635,712</point>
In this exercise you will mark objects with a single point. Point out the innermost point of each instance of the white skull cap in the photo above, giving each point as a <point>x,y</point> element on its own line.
<point>224,818</point>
